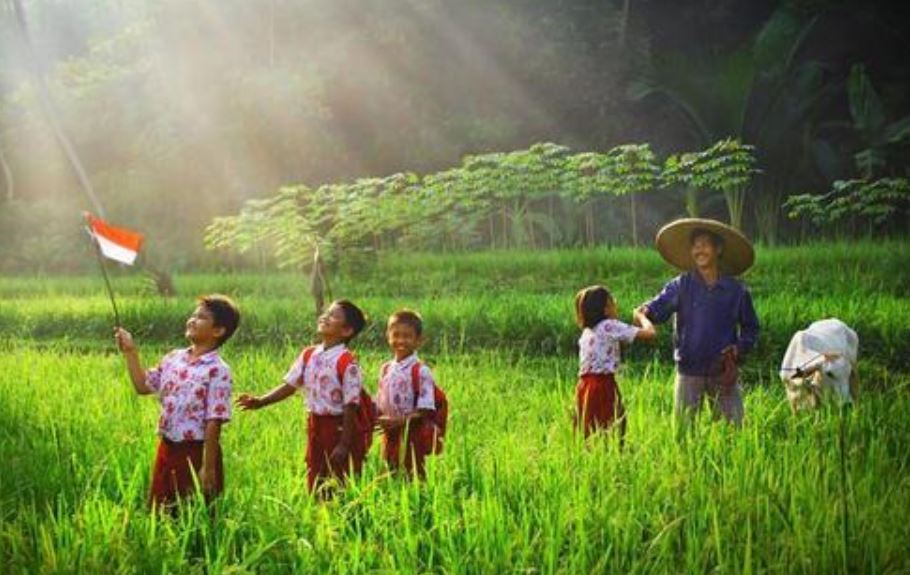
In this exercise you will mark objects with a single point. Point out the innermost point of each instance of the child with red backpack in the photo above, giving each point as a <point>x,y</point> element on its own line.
<point>341,414</point>
<point>412,409</point>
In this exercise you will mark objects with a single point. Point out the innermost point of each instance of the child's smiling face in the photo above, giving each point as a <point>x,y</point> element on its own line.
<point>332,326</point>
<point>403,339</point>
<point>201,328</point>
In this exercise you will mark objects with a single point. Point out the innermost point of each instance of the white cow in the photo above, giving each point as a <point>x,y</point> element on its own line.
<point>821,361</point>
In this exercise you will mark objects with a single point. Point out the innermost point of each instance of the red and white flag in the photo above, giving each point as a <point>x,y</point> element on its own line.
<point>118,244</point>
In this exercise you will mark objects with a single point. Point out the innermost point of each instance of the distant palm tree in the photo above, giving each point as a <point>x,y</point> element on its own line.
<point>762,94</point>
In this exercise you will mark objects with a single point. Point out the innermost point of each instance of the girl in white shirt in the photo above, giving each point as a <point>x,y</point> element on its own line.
<point>598,402</point>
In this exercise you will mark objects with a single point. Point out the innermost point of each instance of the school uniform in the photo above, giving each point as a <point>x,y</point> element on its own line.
<point>396,398</point>
<point>598,401</point>
<point>326,395</point>
<point>192,391</point>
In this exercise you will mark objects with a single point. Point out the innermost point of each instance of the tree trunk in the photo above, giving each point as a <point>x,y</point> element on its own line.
<point>504,213</point>
<point>692,201</point>
<point>492,222</point>
<point>551,211</point>
<point>589,224</point>
<point>634,220</point>
<point>7,177</point>
<point>532,237</point>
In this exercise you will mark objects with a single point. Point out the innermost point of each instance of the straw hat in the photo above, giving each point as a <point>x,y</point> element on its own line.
<point>673,243</point>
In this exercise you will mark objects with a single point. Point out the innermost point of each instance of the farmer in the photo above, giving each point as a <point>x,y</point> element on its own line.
<point>715,323</point>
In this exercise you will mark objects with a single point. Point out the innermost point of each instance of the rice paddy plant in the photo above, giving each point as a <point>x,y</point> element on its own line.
<point>516,490</point>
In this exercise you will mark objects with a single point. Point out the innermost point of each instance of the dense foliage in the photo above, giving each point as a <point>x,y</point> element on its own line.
<point>180,112</point>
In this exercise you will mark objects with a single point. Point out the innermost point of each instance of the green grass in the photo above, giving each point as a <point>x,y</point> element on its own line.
<point>515,491</point>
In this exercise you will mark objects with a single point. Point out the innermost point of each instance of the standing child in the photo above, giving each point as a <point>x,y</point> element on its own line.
<point>194,388</point>
<point>599,403</point>
<point>332,382</point>
<point>406,397</point>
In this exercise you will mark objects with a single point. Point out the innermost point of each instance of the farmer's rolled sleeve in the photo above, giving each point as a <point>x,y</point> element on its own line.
<point>708,319</point>
<point>665,304</point>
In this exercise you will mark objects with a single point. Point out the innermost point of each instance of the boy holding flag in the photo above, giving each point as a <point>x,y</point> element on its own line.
<point>194,387</point>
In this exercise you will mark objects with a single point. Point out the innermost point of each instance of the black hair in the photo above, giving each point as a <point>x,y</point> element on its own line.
<point>591,304</point>
<point>225,314</point>
<point>715,238</point>
<point>407,317</point>
<point>354,317</point>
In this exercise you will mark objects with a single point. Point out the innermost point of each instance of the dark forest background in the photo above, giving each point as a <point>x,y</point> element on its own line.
<point>180,111</point>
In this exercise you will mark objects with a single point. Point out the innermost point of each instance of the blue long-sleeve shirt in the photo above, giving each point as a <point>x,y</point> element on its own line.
<point>708,319</point>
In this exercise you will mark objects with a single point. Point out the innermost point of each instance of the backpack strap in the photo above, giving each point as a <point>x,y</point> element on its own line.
<point>415,381</point>
<point>344,360</point>
<point>305,355</point>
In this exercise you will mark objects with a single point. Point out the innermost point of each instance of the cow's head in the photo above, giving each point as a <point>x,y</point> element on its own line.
<point>828,378</point>
<point>804,391</point>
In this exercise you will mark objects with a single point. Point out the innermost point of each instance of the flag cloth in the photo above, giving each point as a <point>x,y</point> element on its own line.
<point>118,244</point>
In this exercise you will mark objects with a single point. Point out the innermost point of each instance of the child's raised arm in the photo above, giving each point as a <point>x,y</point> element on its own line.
<point>647,332</point>
<point>131,354</point>
<point>249,402</point>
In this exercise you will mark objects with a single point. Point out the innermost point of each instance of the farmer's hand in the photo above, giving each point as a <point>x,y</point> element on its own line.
<point>248,402</point>
<point>339,456</point>
<point>124,340</point>
<point>732,351</point>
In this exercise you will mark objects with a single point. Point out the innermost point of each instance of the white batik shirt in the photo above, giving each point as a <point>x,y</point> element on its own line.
<point>191,392</point>
<point>325,394</point>
<point>396,393</point>
<point>598,347</point>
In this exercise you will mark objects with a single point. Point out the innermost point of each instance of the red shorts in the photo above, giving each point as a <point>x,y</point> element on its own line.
<point>420,441</point>
<point>323,435</point>
<point>599,403</point>
<point>175,464</point>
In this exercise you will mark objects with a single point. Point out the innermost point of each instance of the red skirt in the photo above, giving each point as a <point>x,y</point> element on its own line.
<point>599,403</point>
<point>323,435</point>
<point>420,441</point>
<point>175,464</point>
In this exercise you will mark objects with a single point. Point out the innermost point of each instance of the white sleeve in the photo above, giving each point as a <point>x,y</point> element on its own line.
<point>294,375</point>
<point>426,400</point>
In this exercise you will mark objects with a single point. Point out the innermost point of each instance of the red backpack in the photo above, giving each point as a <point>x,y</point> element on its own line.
<point>367,413</point>
<point>440,416</point>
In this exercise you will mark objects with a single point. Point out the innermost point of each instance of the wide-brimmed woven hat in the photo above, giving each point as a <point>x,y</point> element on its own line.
<point>673,243</point>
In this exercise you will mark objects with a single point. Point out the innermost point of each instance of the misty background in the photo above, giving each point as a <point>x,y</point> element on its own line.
<point>182,110</point>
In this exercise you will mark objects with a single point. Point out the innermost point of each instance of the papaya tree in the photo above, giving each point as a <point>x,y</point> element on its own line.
<point>632,169</point>
<point>727,166</point>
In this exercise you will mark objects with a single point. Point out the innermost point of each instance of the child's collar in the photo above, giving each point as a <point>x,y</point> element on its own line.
<point>340,346</point>
<point>406,361</point>
<point>204,358</point>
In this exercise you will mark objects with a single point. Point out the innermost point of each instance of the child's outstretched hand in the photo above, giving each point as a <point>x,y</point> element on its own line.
<point>124,340</point>
<point>248,402</point>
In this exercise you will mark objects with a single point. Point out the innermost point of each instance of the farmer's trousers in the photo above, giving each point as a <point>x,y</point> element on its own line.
<point>725,400</point>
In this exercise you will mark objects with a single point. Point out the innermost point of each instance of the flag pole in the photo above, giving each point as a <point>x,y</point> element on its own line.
<point>107,281</point>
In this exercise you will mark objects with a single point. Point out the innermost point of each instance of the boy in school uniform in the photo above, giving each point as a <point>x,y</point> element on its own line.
<point>194,387</point>
<point>332,383</point>
<point>404,417</point>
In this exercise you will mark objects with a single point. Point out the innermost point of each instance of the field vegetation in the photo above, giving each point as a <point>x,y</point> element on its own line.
<point>515,491</point>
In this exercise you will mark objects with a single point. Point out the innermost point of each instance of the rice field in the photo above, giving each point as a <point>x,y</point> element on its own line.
<point>516,491</point>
